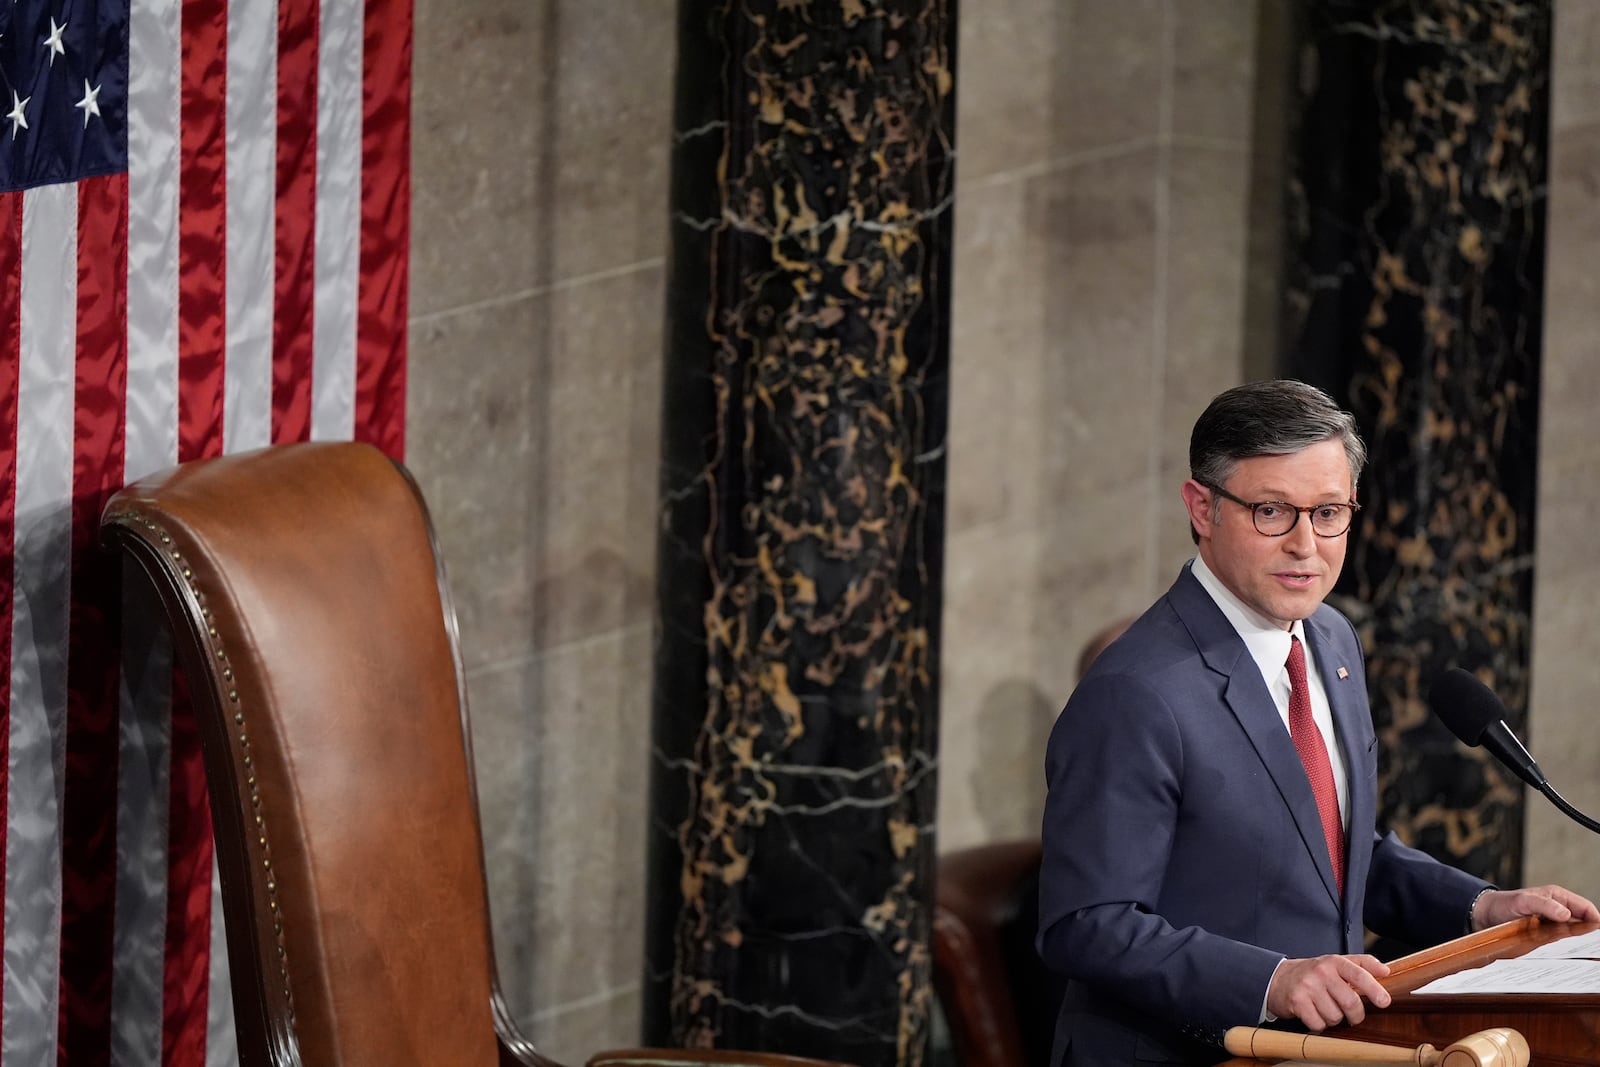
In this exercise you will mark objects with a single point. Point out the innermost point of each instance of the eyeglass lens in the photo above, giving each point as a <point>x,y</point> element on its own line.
<point>1328,520</point>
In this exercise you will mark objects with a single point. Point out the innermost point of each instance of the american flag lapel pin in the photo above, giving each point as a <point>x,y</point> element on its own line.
<point>1344,672</point>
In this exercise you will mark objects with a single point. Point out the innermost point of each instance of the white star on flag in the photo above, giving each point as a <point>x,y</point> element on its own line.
<point>18,117</point>
<point>90,102</point>
<point>52,43</point>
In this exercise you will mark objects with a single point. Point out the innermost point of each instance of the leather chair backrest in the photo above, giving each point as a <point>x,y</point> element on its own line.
<point>311,617</point>
<point>999,999</point>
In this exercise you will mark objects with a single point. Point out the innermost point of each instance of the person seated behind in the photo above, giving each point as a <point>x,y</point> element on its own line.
<point>1210,846</point>
<point>1102,640</point>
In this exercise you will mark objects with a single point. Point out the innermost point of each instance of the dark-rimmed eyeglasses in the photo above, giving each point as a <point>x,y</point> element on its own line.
<point>1275,518</point>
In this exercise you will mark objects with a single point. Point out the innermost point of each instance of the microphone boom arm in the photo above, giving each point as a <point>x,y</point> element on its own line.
<point>1573,813</point>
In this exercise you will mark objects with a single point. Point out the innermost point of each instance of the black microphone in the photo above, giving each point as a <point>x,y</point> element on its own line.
<point>1477,717</point>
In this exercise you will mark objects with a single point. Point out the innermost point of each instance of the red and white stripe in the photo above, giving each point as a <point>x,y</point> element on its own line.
<point>243,283</point>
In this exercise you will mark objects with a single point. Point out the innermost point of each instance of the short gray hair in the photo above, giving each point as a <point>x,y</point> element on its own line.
<point>1277,417</point>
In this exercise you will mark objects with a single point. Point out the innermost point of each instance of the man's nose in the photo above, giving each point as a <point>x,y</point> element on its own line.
<point>1301,540</point>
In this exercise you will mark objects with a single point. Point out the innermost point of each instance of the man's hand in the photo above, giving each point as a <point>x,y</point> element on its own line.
<point>1327,990</point>
<point>1546,901</point>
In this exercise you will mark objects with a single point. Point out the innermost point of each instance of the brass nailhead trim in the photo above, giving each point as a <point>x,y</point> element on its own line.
<point>244,746</point>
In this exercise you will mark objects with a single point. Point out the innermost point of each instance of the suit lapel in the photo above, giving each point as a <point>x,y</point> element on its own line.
<point>1250,702</point>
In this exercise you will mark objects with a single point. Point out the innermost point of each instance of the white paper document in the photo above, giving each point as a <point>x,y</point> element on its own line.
<point>1523,975</point>
<point>1578,947</point>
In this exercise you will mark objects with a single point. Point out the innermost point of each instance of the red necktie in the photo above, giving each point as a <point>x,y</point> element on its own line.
<point>1314,754</point>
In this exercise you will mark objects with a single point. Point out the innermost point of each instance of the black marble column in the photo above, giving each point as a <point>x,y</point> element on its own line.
<point>1416,252</point>
<point>794,724</point>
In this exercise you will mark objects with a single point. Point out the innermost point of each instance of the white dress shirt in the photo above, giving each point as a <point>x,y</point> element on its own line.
<point>1268,645</point>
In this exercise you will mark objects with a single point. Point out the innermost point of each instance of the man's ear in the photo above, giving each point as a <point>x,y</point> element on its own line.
<point>1197,499</point>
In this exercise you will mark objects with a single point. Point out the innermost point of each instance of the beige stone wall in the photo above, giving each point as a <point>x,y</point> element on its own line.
<point>1106,238</point>
<point>1566,640</point>
<point>1113,270</point>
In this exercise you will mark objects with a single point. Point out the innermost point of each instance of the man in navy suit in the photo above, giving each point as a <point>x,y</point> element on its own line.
<point>1210,851</point>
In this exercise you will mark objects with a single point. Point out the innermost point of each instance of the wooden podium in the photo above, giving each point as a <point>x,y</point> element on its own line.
<point>1563,1030</point>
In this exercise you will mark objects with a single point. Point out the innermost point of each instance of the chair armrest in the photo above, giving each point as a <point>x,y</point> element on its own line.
<point>696,1057</point>
<point>515,1050</point>
<point>519,1053</point>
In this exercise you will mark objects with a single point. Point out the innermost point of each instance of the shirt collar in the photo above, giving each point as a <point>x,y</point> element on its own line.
<point>1267,643</point>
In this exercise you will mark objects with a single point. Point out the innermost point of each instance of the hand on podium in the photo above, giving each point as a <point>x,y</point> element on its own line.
<point>1550,902</point>
<point>1326,991</point>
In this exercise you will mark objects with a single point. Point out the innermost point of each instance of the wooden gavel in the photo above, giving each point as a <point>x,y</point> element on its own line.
<point>1497,1047</point>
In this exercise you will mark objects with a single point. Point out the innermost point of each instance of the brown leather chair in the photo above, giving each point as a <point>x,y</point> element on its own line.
<point>311,616</point>
<point>998,999</point>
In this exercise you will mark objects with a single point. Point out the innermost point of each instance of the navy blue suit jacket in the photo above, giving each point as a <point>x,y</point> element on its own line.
<point>1183,851</point>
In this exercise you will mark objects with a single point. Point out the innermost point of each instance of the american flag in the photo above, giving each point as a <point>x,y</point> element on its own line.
<point>204,213</point>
